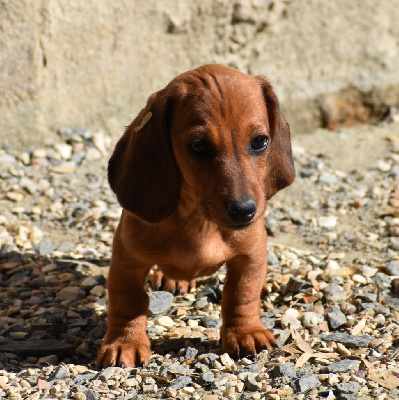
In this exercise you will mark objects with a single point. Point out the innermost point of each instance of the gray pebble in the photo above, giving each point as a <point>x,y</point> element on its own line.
<point>208,322</point>
<point>346,339</point>
<point>284,370</point>
<point>342,366</point>
<point>272,258</point>
<point>336,318</point>
<point>61,372</point>
<point>334,293</point>
<point>181,382</point>
<point>306,383</point>
<point>392,268</point>
<point>190,353</point>
<point>251,383</point>
<point>107,373</point>
<point>160,302</point>
<point>348,387</point>
<point>207,377</point>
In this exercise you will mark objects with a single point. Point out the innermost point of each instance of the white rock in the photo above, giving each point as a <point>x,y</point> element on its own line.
<point>67,167</point>
<point>165,321</point>
<point>311,319</point>
<point>327,222</point>
<point>65,150</point>
<point>35,235</point>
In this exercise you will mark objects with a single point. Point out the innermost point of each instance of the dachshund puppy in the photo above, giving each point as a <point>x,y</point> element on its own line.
<point>194,173</point>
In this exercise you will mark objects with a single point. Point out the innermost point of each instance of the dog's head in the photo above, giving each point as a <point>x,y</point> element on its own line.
<point>214,138</point>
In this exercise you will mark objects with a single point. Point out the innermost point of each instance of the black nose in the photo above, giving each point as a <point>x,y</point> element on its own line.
<point>242,210</point>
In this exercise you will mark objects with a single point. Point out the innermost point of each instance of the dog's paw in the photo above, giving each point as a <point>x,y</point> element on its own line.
<point>124,353</point>
<point>241,341</point>
<point>160,281</point>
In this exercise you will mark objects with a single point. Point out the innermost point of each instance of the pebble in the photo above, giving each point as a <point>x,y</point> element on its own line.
<point>342,366</point>
<point>306,383</point>
<point>336,318</point>
<point>334,293</point>
<point>346,339</point>
<point>290,319</point>
<point>392,268</point>
<point>311,319</point>
<point>327,222</point>
<point>160,302</point>
<point>251,383</point>
<point>71,293</point>
<point>284,370</point>
<point>165,321</point>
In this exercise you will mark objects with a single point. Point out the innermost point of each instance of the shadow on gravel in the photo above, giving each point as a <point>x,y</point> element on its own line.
<point>53,310</point>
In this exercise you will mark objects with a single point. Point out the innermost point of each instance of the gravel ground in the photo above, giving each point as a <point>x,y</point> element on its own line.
<point>333,279</point>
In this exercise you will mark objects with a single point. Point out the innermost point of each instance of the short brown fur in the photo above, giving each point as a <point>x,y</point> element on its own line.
<point>177,204</point>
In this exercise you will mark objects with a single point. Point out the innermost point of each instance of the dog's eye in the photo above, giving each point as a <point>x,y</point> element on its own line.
<point>259,143</point>
<point>199,146</point>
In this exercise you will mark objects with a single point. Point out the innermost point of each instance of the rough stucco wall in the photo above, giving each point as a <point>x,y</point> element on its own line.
<point>94,63</point>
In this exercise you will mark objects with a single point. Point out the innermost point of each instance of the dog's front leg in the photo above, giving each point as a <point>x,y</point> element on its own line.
<point>126,343</point>
<point>242,331</point>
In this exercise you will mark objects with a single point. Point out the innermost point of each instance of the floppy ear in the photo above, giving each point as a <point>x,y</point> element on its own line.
<point>142,171</point>
<point>280,164</point>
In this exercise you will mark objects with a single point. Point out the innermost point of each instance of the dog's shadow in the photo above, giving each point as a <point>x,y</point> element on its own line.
<point>53,310</point>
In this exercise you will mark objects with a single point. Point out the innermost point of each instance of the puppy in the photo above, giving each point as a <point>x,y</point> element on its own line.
<point>194,173</point>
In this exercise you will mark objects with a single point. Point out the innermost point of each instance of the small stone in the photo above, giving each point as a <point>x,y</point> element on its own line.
<point>226,360</point>
<point>334,293</point>
<point>207,377</point>
<point>306,383</point>
<point>251,383</point>
<point>97,291</point>
<point>384,166</point>
<point>284,370</point>
<point>392,268</point>
<point>65,150</point>
<point>39,153</point>
<point>346,365</point>
<point>190,353</point>
<point>160,302</point>
<point>88,282</point>
<point>152,388</point>
<point>68,167</point>
<point>71,293</point>
<point>79,396</point>
<point>60,373</point>
<point>18,335</point>
<point>181,382</point>
<point>92,154</point>
<point>15,196</point>
<point>290,319</point>
<point>346,339</point>
<point>51,359</point>
<point>165,321</point>
<point>3,380</point>
<point>209,322</point>
<point>327,222</point>
<point>107,373</point>
<point>272,258</point>
<point>336,318</point>
<point>348,387</point>
<point>311,319</point>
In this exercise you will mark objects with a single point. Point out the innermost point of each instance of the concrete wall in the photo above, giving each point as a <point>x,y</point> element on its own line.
<point>93,63</point>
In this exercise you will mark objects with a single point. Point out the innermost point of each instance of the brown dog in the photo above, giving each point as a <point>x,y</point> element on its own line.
<point>194,173</point>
